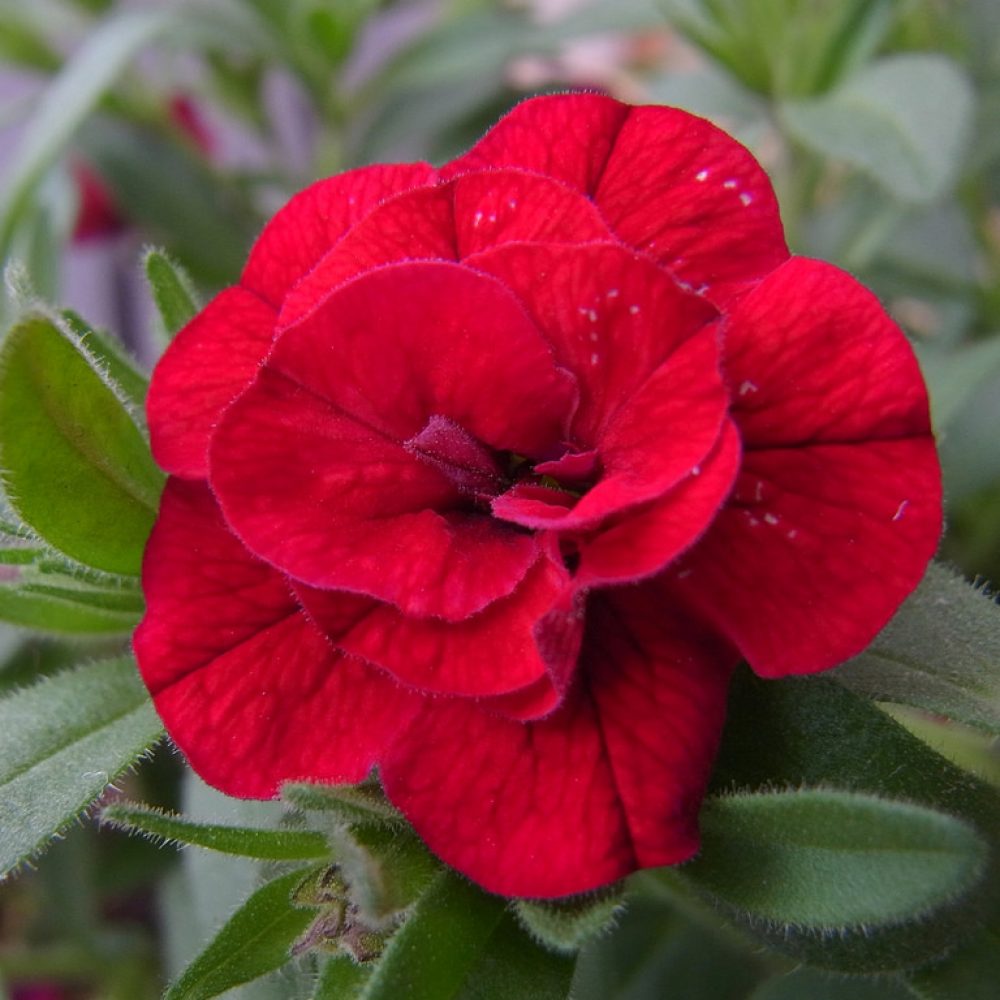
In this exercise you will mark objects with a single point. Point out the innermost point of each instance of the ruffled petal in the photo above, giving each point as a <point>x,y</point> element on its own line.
<point>837,509</point>
<point>248,688</point>
<point>208,364</point>
<point>642,542</point>
<point>609,783</point>
<point>668,183</point>
<point>450,222</point>
<point>312,222</point>
<point>611,317</point>
<point>310,464</point>
<point>493,652</point>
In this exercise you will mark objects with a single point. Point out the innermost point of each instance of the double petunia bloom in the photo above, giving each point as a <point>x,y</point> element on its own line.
<point>489,476</point>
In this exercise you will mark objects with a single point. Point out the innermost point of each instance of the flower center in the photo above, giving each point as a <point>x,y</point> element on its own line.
<point>482,473</point>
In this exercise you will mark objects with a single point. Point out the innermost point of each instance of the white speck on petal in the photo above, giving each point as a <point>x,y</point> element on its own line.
<point>594,336</point>
<point>476,219</point>
<point>729,185</point>
<point>746,387</point>
<point>493,217</point>
<point>793,534</point>
<point>633,310</point>
<point>771,519</point>
<point>900,510</point>
<point>702,175</point>
<point>512,203</point>
<point>758,493</point>
<point>594,358</point>
<point>746,199</point>
<point>695,470</point>
<point>613,293</point>
<point>684,574</point>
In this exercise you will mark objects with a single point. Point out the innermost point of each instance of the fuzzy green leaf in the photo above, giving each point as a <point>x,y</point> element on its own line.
<point>905,120</point>
<point>76,467</point>
<point>833,860</point>
<point>61,742</point>
<point>431,955</point>
<point>342,979</point>
<point>174,295</point>
<point>120,369</point>
<point>247,842</point>
<point>256,940</point>
<point>819,734</point>
<point>51,610</point>
<point>941,652</point>
<point>566,924</point>
<point>353,805</point>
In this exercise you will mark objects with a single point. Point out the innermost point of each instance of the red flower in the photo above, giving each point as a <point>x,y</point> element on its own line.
<point>489,476</point>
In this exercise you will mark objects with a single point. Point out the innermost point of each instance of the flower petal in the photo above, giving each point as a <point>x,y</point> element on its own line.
<point>208,364</point>
<point>837,509</point>
<point>641,542</point>
<point>668,183</point>
<point>248,688</point>
<point>450,222</point>
<point>492,652</point>
<point>611,317</point>
<point>310,465</point>
<point>312,222</point>
<point>609,783</point>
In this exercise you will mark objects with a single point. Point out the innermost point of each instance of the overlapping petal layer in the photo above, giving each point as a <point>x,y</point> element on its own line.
<point>244,682</point>
<point>837,509</point>
<point>610,783</point>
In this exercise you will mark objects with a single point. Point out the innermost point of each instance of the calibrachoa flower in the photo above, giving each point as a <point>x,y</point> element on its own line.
<point>488,476</point>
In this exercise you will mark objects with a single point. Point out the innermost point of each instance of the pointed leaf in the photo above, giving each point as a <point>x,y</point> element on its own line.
<point>76,467</point>
<point>174,295</point>
<point>342,979</point>
<point>62,741</point>
<point>566,924</point>
<point>941,652</point>
<point>904,119</point>
<point>61,612</point>
<point>820,734</point>
<point>112,358</point>
<point>831,860</point>
<point>247,842</point>
<point>431,955</point>
<point>255,941</point>
<point>353,805</point>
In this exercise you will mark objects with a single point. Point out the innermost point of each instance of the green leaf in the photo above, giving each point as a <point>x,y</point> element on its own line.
<point>76,467</point>
<point>832,860</point>
<point>803,983</point>
<point>353,805</point>
<point>655,952</point>
<point>247,842</point>
<point>22,45</point>
<point>61,742</point>
<point>255,941</point>
<point>971,973</point>
<point>30,608</point>
<point>514,967</point>
<point>342,979</point>
<point>905,120</point>
<point>71,96</point>
<point>566,924</point>
<point>941,652</point>
<point>820,734</point>
<point>112,358</point>
<point>432,954</point>
<point>174,295</point>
